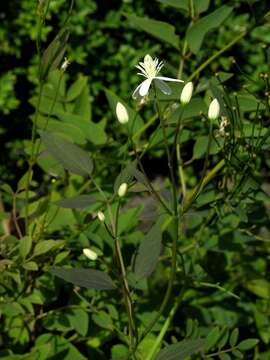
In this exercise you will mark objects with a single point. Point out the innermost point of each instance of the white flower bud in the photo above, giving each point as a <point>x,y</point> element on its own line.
<point>90,254</point>
<point>186,93</point>
<point>214,109</point>
<point>121,113</point>
<point>122,190</point>
<point>101,216</point>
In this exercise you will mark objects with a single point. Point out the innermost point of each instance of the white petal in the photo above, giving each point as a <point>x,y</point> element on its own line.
<point>163,87</point>
<point>144,88</point>
<point>167,79</point>
<point>136,92</point>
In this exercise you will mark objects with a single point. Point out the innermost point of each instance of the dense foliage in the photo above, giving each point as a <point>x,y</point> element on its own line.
<point>178,267</point>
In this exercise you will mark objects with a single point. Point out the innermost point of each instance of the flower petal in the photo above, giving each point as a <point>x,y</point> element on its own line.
<point>136,92</point>
<point>163,87</point>
<point>167,79</point>
<point>144,88</point>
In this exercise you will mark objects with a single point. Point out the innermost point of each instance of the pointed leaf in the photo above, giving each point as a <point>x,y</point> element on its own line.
<point>25,245</point>
<point>160,30</point>
<point>69,155</point>
<point>88,278</point>
<point>148,253</point>
<point>197,32</point>
<point>181,350</point>
<point>54,53</point>
<point>247,344</point>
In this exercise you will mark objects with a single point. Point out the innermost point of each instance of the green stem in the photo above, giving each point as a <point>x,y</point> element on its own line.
<point>175,229</point>
<point>165,326</point>
<point>213,57</point>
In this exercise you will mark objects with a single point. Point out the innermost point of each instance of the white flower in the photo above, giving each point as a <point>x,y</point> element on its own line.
<point>90,254</point>
<point>121,113</point>
<point>149,69</point>
<point>186,93</point>
<point>101,216</point>
<point>214,109</point>
<point>122,190</point>
<point>65,64</point>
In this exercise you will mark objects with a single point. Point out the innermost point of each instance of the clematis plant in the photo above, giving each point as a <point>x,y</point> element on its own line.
<point>149,69</point>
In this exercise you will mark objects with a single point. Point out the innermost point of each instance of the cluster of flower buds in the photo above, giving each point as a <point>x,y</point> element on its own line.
<point>223,125</point>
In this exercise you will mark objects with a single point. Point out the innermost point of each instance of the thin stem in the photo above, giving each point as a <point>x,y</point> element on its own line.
<point>214,56</point>
<point>166,325</point>
<point>175,230</point>
<point>126,290</point>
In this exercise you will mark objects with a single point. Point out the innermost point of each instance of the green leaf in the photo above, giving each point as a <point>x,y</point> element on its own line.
<point>247,344</point>
<point>178,4</point>
<point>197,32</point>
<point>54,53</point>
<point>25,246</point>
<point>46,245</point>
<point>88,278</point>
<point>103,320</point>
<point>160,30</point>
<point>31,266</point>
<point>224,356</point>
<point>259,287</point>
<point>119,351</point>
<point>79,320</point>
<point>69,155</point>
<point>77,202</point>
<point>181,350</point>
<point>76,88</point>
<point>237,354</point>
<point>83,105</point>
<point>148,253</point>
<point>234,337</point>
<point>212,338</point>
<point>201,5</point>
<point>94,132</point>
<point>60,348</point>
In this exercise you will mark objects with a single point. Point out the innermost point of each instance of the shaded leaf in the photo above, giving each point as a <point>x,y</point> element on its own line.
<point>77,202</point>
<point>160,30</point>
<point>148,253</point>
<point>31,266</point>
<point>25,245</point>
<point>197,32</point>
<point>46,245</point>
<point>54,53</point>
<point>68,154</point>
<point>79,320</point>
<point>88,278</point>
<point>234,337</point>
<point>181,350</point>
<point>247,344</point>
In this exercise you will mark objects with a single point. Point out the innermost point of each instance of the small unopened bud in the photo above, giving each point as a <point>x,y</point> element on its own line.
<point>90,254</point>
<point>101,216</point>
<point>186,93</point>
<point>213,111</point>
<point>122,190</point>
<point>121,113</point>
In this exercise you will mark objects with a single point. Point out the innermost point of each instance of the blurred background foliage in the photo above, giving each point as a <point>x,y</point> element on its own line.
<point>227,230</point>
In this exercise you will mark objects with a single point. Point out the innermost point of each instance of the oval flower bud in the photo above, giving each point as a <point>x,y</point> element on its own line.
<point>214,109</point>
<point>186,93</point>
<point>122,190</point>
<point>121,113</point>
<point>101,216</point>
<point>90,254</point>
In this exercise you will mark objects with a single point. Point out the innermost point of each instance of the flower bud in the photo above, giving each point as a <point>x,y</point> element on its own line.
<point>122,190</point>
<point>101,216</point>
<point>214,109</point>
<point>90,254</point>
<point>186,93</point>
<point>121,113</point>
<point>65,64</point>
